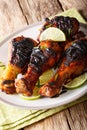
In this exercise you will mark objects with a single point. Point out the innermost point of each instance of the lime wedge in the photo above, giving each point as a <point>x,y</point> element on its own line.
<point>53,33</point>
<point>33,97</point>
<point>2,65</point>
<point>77,82</point>
<point>29,97</point>
<point>45,77</point>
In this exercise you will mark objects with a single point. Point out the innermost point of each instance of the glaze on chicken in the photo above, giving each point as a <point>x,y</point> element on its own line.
<point>73,64</point>
<point>68,25</point>
<point>19,56</point>
<point>30,59</point>
<point>43,57</point>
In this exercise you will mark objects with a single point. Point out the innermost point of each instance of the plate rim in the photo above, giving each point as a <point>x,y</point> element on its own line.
<point>19,31</point>
<point>47,106</point>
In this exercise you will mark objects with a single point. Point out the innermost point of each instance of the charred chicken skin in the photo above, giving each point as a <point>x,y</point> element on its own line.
<point>19,55</point>
<point>68,25</point>
<point>43,57</point>
<point>73,64</point>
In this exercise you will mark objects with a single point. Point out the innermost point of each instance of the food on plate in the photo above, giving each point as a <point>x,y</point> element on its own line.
<point>54,34</point>
<point>61,45</point>
<point>76,82</point>
<point>73,64</point>
<point>68,25</point>
<point>34,96</point>
<point>20,49</point>
<point>43,57</point>
<point>46,76</point>
<point>78,35</point>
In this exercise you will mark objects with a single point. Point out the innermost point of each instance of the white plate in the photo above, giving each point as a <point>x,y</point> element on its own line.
<point>42,103</point>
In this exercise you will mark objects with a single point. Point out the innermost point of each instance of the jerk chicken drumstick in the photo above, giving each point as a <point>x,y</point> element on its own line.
<point>43,57</point>
<point>73,64</point>
<point>19,55</point>
<point>68,25</point>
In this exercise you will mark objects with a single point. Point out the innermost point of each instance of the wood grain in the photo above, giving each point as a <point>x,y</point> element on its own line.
<point>11,18</point>
<point>36,10</point>
<point>54,122</point>
<point>74,118</point>
<point>77,116</point>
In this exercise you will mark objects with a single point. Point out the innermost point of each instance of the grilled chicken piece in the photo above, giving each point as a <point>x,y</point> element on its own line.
<point>73,64</point>
<point>68,25</point>
<point>78,35</point>
<point>43,57</point>
<point>19,55</point>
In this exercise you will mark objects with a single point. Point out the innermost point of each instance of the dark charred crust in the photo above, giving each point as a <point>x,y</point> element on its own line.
<point>9,90</point>
<point>76,51</point>
<point>78,35</point>
<point>68,25</point>
<point>51,83</point>
<point>8,82</point>
<point>39,57</point>
<point>21,50</point>
<point>51,52</point>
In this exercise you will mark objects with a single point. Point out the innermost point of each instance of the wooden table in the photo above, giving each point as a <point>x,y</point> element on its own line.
<point>16,14</point>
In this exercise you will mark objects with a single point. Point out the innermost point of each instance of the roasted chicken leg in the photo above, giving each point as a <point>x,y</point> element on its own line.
<point>19,55</point>
<point>73,64</point>
<point>68,25</point>
<point>43,57</point>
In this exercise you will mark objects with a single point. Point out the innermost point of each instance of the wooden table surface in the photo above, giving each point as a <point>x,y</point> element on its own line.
<point>16,14</point>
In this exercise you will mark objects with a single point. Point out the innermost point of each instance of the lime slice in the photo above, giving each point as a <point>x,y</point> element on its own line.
<point>54,34</point>
<point>45,77</point>
<point>2,65</point>
<point>77,82</point>
<point>29,97</point>
<point>33,97</point>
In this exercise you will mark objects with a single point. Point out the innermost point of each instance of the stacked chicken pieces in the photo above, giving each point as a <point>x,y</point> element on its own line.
<point>32,58</point>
